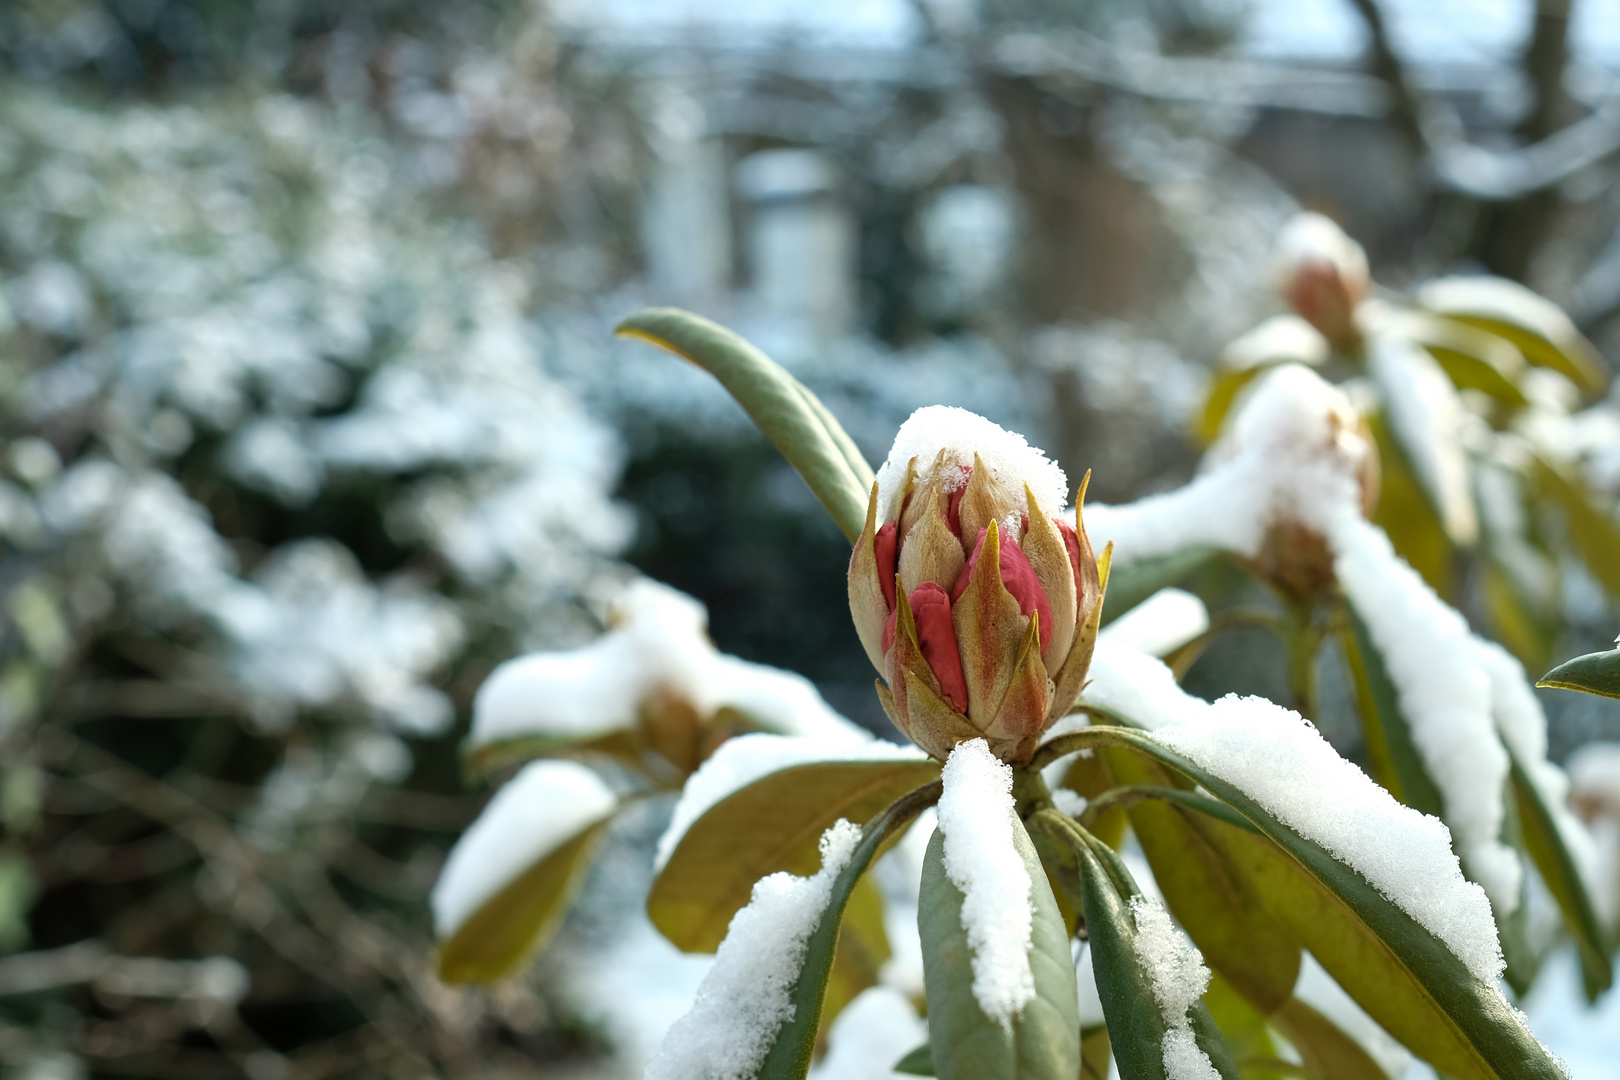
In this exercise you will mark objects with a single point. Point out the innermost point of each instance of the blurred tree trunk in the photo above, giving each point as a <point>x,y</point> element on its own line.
<point>1510,234</point>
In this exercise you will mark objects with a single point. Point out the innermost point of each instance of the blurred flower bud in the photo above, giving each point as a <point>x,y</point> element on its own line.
<point>1322,273</point>
<point>1291,419</point>
<point>978,608</point>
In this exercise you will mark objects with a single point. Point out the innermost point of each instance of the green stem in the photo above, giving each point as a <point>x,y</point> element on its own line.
<point>1079,839</point>
<point>1108,734</point>
<point>1303,637</point>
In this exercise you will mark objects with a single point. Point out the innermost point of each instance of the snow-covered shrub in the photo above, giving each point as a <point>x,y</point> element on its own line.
<point>1493,478</point>
<point>1277,860</point>
<point>283,464</point>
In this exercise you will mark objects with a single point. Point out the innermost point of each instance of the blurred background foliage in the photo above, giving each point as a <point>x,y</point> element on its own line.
<point>311,413</point>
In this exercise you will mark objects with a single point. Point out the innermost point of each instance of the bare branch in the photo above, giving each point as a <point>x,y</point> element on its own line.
<point>1075,55</point>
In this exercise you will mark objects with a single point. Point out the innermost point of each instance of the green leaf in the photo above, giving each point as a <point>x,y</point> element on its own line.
<point>1527,629</point>
<point>863,948</point>
<point>1594,531</point>
<point>1394,757</point>
<point>773,824</point>
<point>520,918</point>
<point>1398,971</point>
<point>1043,1042</point>
<point>1326,1050</point>
<point>1208,897</point>
<point>1549,850</point>
<point>788,413</point>
<point>1243,1029</point>
<point>920,1062</point>
<point>1095,1053</point>
<point>1136,1024</point>
<point>1595,673</point>
<point>795,1043</point>
<point>1536,326</point>
<point>1223,394</point>
<point>1473,359</point>
<point>1131,583</point>
<point>1513,929</point>
<point>1407,515</point>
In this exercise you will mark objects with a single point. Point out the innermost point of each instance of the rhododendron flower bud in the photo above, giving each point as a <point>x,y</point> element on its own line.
<point>977,606</point>
<point>1322,273</point>
<point>1293,416</point>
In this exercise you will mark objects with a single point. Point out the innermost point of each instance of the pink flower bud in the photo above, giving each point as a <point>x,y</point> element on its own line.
<point>1322,273</point>
<point>978,608</point>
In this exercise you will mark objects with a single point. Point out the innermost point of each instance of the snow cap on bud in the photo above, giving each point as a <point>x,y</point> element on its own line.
<point>1322,273</point>
<point>977,606</point>
<point>1295,420</point>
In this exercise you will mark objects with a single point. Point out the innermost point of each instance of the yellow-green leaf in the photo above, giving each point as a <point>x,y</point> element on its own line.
<point>863,948</point>
<point>1550,851</point>
<point>521,917</point>
<point>1136,1024</point>
<point>1326,1050</point>
<point>1237,936</point>
<point>1407,515</point>
<point>1594,531</point>
<point>794,1045</point>
<point>1535,325</point>
<point>783,408</point>
<point>1472,358</point>
<point>1404,976</point>
<point>773,824</point>
<point>1394,756</point>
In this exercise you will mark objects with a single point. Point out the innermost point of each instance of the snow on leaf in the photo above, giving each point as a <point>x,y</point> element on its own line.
<point>745,998</point>
<point>546,804</point>
<point>976,818</point>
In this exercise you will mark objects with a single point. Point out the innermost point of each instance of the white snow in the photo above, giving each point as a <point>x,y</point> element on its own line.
<point>636,987</point>
<point>1160,624</point>
<point>1284,764</point>
<point>1179,978</point>
<point>1585,1037</point>
<point>962,434</point>
<point>743,760</point>
<point>1183,1059</point>
<point>540,809</point>
<point>1316,988</point>
<point>875,1030</point>
<point>976,816</point>
<point>1594,771</point>
<point>1523,727</point>
<point>1594,774</point>
<point>1174,965</point>
<point>1176,971</point>
<point>1069,801</point>
<point>745,998</point>
<point>1445,694</point>
<point>1311,239</point>
<point>658,644</point>
<point>1293,439</point>
<point>1293,451</point>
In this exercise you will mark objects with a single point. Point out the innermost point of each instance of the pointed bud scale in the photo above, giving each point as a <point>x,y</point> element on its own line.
<point>967,593</point>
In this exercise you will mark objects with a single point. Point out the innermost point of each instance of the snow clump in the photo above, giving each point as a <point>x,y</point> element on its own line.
<point>976,815</point>
<point>544,806</point>
<point>1281,761</point>
<point>1177,973</point>
<point>745,999</point>
<point>748,758</point>
<point>962,434</point>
